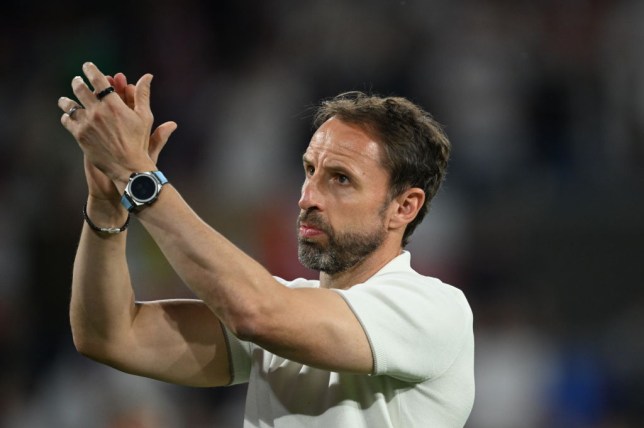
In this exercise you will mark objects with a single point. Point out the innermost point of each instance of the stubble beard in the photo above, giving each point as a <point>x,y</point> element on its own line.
<point>342,251</point>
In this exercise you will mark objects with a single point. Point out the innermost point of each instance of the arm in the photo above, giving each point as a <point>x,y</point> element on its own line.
<point>312,326</point>
<point>173,341</point>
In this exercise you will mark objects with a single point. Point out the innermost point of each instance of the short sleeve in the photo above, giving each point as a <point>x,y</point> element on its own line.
<point>416,325</point>
<point>239,358</point>
<point>240,352</point>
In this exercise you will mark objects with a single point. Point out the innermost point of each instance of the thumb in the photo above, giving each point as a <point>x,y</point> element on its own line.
<point>142,93</point>
<point>159,138</point>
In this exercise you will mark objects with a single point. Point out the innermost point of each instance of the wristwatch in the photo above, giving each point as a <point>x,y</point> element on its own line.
<point>142,189</point>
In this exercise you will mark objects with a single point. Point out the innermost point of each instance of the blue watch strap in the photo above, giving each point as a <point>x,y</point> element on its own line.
<point>161,177</point>
<point>127,203</point>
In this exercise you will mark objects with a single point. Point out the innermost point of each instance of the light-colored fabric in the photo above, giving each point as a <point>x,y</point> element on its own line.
<point>420,332</point>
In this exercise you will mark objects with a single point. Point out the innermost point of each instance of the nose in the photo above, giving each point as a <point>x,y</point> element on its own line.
<point>310,197</point>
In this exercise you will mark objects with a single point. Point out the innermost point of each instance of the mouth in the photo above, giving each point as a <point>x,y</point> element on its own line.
<point>309,231</point>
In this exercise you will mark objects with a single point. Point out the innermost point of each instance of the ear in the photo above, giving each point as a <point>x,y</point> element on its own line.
<point>405,207</point>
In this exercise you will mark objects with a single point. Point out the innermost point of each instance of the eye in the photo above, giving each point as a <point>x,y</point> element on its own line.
<point>342,179</point>
<point>309,170</point>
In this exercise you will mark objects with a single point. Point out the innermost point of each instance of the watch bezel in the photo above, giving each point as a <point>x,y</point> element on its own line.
<point>133,203</point>
<point>144,176</point>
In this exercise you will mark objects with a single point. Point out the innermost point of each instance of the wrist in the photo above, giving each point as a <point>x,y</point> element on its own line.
<point>106,211</point>
<point>121,180</point>
<point>102,230</point>
<point>143,189</point>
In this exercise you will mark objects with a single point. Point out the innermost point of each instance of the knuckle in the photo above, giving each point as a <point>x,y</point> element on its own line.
<point>147,117</point>
<point>94,116</point>
<point>82,135</point>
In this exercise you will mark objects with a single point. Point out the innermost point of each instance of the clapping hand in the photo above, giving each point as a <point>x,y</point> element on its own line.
<point>113,129</point>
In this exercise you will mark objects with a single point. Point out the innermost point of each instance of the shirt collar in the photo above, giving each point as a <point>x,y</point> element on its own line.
<point>398,263</point>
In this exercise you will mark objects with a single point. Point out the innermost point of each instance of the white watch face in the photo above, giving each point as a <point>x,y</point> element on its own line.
<point>143,188</point>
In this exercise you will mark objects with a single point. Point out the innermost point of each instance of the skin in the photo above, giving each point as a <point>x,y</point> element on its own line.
<point>181,341</point>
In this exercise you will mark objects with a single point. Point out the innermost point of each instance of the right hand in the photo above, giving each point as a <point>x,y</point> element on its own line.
<point>99,185</point>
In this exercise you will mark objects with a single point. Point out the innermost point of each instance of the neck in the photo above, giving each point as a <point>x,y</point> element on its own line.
<point>361,271</point>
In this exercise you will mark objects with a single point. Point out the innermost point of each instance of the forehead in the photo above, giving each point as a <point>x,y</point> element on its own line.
<point>343,141</point>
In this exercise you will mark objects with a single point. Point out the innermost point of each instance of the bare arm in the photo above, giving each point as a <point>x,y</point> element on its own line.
<point>177,341</point>
<point>174,341</point>
<point>312,326</point>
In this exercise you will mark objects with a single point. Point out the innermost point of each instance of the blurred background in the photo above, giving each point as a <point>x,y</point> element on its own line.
<point>540,221</point>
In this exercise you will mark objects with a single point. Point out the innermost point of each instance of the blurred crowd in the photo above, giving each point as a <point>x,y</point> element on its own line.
<point>539,221</point>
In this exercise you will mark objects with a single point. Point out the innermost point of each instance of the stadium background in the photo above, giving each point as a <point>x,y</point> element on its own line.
<point>540,221</point>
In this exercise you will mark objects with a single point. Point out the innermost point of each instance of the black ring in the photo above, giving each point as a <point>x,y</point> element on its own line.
<point>105,92</point>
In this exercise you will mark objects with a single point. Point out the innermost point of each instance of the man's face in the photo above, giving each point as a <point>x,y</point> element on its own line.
<point>344,199</point>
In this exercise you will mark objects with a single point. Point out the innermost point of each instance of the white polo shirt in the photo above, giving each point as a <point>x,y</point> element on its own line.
<point>420,332</point>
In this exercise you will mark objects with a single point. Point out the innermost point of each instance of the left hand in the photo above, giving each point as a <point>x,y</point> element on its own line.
<point>114,137</point>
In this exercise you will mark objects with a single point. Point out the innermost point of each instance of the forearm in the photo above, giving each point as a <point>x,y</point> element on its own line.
<point>102,301</point>
<point>249,301</point>
<point>231,283</point>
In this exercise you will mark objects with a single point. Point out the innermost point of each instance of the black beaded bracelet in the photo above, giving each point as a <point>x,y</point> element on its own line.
<point>108,230</point>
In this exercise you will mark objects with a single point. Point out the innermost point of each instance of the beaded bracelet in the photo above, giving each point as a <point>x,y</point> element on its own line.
<point>108,230</point>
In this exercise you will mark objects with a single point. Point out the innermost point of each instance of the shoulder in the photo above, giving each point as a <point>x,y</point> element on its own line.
<point>398,282</point>
<point>410,292</point>
<point>417,325</point>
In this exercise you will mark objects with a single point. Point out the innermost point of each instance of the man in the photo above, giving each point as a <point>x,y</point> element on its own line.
<point>371,344</point>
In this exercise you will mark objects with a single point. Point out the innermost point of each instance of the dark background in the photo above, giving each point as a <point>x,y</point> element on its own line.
<point>539,222</point>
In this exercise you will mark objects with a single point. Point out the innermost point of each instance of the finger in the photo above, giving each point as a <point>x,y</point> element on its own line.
<point>119,82</point>
<point>66,104</point>
<point>71,109</point>
<point>69,123</point>
<point>97,79</point>
<point>82,92</point>
<point>160,137</point>
<point>129,95</point>
<point>142,94</point>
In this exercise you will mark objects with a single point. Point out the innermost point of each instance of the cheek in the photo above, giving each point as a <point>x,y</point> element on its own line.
<point>357,213</point>
<point>356,219</point>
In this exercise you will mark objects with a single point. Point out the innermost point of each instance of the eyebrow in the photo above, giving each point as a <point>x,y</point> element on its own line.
<point>338,168</point>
